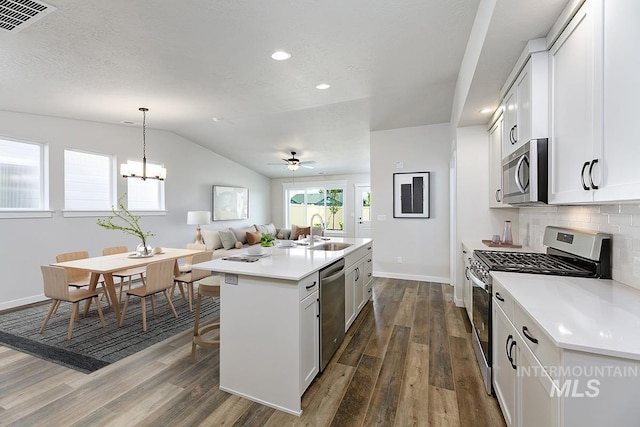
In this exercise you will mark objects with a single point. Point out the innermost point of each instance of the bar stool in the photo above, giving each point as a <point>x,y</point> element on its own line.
<point>207,287</point>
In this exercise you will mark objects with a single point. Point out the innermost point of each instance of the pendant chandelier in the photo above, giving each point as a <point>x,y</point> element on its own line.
<point>133,169</point>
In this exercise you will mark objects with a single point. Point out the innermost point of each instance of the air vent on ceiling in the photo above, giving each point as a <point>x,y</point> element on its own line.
<point>18,14</point>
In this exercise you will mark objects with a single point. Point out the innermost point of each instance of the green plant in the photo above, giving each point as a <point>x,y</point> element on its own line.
<point>266,240</point>
<point>131,222</point>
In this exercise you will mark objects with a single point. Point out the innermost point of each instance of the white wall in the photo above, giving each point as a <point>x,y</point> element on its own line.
<point>25,244</point>
<point>622,221</point>
<point>423,244</point>
<point>475,221</point>
<point>277,197</point>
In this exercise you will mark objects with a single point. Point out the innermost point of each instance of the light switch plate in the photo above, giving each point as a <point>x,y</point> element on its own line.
<point>231,279</point>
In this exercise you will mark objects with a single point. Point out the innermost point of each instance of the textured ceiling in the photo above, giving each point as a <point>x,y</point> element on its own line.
<point>390,64</point>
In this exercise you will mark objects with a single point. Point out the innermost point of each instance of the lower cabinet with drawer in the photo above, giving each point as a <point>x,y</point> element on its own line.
<point>537,383</point>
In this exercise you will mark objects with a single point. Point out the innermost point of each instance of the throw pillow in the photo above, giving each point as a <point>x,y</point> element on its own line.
<point>284,234</point>
<point>228,238</point>
<point>241,233</point>
<point>253,237</point>
<point>302,231</point>
<point>266,229</point>
<point>211,239</point>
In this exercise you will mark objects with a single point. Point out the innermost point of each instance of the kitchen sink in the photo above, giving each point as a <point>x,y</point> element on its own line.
<point>333,246</point>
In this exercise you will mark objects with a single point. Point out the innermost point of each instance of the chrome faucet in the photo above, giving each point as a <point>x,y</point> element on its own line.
<point>311,232</point>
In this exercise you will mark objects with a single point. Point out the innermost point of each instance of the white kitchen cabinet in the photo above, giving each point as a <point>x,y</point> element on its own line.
<point>575,108</point>
<point>619,173</point>
<point>358,282</point>
<point>520,381</point>
<point>594,94</point>
<point>495,163</point>
<point>309,340</point>
<point>504,351</point>
<point>526,101</point>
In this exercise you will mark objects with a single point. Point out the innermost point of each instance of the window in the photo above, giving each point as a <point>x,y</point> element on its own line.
<point>325,199</point>
<point>88,181</point>
<point>22,176</point>
<point>147,195</point>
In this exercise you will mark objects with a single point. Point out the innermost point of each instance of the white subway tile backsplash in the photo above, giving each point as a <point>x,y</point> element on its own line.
<point>623,221</point>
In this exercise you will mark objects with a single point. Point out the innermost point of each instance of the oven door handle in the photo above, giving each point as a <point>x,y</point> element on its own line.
<point>477,282</point>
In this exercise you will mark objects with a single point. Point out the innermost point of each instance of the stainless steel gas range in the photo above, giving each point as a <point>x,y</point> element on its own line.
<point>570,252</point>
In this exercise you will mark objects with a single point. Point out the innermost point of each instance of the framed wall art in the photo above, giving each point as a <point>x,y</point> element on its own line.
<point>230,203</point>
<point>411,195</point>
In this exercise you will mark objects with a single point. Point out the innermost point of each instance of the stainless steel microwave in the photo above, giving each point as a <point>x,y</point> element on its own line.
<point>525,174</point>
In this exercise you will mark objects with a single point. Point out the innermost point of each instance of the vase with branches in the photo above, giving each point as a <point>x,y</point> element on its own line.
<point>131,225</point>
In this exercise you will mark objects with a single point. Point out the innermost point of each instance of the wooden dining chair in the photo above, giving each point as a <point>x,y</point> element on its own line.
<point>193,276</point>
<point>56,280</point>
<point>159,279</point>
<point>186,266</point>
<point>79,278</point>
<point>124,274</point>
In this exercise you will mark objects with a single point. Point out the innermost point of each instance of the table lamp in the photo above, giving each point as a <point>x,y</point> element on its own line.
<point>198,218</point>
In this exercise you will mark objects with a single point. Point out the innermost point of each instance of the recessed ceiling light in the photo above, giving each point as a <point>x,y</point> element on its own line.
<point>323,86</point>
<point>486,110</point>
<point>127,122</point>
<point>280,55</point>
<point>216,119</point>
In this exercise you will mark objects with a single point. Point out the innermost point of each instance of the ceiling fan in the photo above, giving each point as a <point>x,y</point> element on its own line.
<point>293,163</point>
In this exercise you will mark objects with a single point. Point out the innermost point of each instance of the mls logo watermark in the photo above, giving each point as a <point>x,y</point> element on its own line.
<point>576,388</point>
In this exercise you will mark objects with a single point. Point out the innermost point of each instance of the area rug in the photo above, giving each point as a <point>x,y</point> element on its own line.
<point>93,347</point>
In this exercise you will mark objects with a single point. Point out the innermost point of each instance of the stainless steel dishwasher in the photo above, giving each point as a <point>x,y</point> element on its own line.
<point>331,310</point>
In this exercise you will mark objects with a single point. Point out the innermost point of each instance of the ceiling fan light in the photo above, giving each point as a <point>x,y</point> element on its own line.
<point>293,166</point>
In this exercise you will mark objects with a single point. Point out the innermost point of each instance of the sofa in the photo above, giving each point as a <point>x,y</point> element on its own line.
<point>234,240</point>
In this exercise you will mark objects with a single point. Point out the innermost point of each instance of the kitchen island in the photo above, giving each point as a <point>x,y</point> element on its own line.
<point>269,324</point>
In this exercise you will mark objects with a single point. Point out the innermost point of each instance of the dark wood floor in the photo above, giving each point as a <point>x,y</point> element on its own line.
<point>406,361</point>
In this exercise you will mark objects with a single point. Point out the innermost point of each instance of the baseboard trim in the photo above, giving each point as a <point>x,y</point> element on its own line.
<point>22,301</point>
<point>416,277</point>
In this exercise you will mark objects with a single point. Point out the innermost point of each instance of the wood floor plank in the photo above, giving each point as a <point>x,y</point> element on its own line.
<point>456,316</point>
<point>229,411</point>
<point>353,407</point>
<point>474,404</point>
<point>255,415</point>
<point>413,405</point>
<point>440,373</point>
<point>420,324</point>
<point>359,340</point>
<point>404,317</point>
<point>28,406</point>
<point>384,400</point>
<point>443,408</point>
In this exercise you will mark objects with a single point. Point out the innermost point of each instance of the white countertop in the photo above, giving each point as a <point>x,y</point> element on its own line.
<point>286,263</point>
<point>591,315</point>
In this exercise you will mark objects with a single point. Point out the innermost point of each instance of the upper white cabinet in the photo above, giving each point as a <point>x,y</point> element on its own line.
<point>620,151</point>
<point>594,92</point>
<point>495,163</point>
<point>575,108</point>
<point>526,100</point>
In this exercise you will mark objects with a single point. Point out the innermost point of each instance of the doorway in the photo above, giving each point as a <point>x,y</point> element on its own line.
<point>363,210</point>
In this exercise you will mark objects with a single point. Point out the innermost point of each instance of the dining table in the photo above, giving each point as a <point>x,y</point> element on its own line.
<point>106,265</point>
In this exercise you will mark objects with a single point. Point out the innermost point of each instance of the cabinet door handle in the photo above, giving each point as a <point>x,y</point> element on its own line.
<point>498,199</point>
<point>369,260</point>
<point>513,344</point>
<point>311,285</point>
<point>584,184</point>
<point>506,347</point>
<point>525,331</point>
<point>513,136</point>
<point>499,297</point>
<point>593,163</point>
<point>357,273</point>
<point>466,273</point>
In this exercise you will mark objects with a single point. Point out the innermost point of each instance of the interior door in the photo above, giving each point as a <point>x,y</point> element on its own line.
<point>363,211</point>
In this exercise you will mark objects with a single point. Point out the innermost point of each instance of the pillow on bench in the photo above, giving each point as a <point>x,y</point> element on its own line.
<point>211,239</point>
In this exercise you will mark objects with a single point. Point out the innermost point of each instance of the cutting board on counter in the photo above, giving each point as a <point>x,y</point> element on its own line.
<point>500,245</point>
